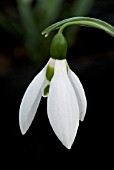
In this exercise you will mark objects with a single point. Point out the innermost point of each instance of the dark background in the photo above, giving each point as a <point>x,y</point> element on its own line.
<point>92,59</point>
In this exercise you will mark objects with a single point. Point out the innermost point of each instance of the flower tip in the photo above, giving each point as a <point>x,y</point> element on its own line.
<point>23,131</point>
<point>82,116</point>
<point>68,147</point>
<point>82,119</point>
<point>23,128</point>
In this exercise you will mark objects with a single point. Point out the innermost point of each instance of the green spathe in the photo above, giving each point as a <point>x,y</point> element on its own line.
<point>58,49</point>
<point>82,21</point>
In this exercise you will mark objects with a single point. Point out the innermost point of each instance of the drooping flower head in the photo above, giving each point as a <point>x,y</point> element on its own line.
<point>66,101</point>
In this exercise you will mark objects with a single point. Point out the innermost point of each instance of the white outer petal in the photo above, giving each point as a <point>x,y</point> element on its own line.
<point>62,106</point>
<point>31,100</point>
<point>78,88</point>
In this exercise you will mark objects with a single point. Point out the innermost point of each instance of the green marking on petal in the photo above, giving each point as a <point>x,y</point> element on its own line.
<point>49,73</point>
<point>67,67</point>
<point>46,90</point>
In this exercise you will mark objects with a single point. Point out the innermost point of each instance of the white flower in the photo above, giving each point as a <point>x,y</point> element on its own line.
<point>66,102</point>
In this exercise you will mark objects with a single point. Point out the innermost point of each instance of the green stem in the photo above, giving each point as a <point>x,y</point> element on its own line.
<point>101,25</point>
<point>82,21</point>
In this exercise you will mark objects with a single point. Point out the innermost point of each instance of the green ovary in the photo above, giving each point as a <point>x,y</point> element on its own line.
<point>58,48</point>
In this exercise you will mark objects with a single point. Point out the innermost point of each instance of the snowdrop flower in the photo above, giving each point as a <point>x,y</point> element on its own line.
<point>66,101</point>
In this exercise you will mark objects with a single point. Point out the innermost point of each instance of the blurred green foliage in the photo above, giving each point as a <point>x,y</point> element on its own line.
<point>27,21</point>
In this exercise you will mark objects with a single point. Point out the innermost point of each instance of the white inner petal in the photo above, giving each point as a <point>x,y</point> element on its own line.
<point>79,93</point>
<point>52,62</point>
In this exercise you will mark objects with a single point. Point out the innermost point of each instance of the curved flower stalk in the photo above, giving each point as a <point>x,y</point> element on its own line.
<point>81,21</point>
